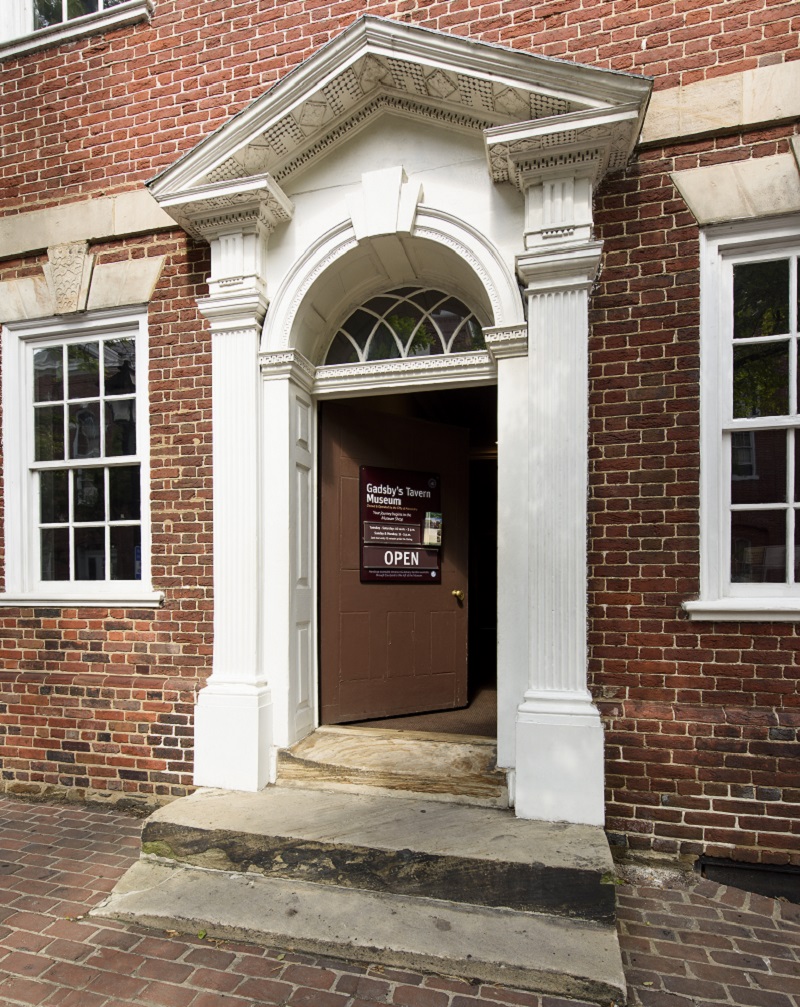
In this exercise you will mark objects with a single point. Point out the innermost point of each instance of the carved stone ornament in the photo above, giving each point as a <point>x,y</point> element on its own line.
<point>373,84</point>
<point>380,64</point>
<point>68,273</point>
<point>208,210</point>
<point>591,143</point>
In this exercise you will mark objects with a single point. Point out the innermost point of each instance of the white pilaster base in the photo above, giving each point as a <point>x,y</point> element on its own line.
<point>559,764</point>
<point>233,737</point>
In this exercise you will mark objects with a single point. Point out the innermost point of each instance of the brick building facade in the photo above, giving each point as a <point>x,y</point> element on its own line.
<point>694,193</point>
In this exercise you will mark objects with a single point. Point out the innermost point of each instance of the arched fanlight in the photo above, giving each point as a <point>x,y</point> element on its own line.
<point>407,322</point>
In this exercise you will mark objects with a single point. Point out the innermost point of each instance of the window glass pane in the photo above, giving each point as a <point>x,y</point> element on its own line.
<point>48,374</point>
<point>383,345</point>
<point>424,342</point>
<point>403,320</point>
<point>55,554</point>
<point>342,351</point>
<point>124,502</point>
<point>427,299</point>
<point>90,554</point>
<point>758,546</point>
<point>89,494</point>
<point>83,361</point>
<point>469,338</point>
<point>84,430</point>
<point>121,427</point>
<point>359,326</point>
<point>76,8</point>
<point>760,379</point>
<point>126,553</point>
<point>120,366</point>
<point>760,298</point>
<point>53,496</point>
<point>45,13</point>
<point>758,467</point>
<point>48,434</point>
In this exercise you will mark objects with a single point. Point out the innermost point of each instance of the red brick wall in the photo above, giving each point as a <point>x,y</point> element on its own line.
<point>103,700</point>
<point>702,719</point>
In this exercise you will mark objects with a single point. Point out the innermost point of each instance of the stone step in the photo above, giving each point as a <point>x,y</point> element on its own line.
<point>423,884</point>
<point>550,955</point>
<point>460,853</point>
<point>443,767</point>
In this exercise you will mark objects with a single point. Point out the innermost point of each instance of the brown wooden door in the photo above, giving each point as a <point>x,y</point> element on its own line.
<point>385,648</point>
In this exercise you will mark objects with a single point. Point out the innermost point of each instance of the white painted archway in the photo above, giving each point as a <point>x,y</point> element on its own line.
<point>396,154</point>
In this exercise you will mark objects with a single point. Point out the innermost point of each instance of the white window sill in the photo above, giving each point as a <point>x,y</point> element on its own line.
<point>108,599</point>
<point>90,24</point>
<point>744,610</point>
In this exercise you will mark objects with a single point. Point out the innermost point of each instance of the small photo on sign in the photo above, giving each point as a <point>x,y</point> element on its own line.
<point>432,530</point>
<point>401,526</point>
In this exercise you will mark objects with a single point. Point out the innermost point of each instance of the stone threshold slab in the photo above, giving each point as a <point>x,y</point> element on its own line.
<point>561,957</point>
<point>449,767</point>
<point>409,847</point>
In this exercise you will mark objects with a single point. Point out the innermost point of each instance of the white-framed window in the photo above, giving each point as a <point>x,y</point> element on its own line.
<point>76,461</point>
<point>28,25</point>
<point>750,423</point>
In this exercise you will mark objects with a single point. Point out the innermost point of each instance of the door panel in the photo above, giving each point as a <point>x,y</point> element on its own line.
<point>388,649</point>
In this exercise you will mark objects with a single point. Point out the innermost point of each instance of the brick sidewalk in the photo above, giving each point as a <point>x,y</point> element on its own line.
<point>684,946</point>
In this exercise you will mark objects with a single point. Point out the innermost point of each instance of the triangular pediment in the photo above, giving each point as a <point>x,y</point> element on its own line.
<point>377,66</point>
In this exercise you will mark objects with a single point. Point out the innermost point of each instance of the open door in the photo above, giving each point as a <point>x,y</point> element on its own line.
<point>393,632</point>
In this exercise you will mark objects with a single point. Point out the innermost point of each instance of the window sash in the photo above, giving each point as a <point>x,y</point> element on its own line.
<point>22,474</point>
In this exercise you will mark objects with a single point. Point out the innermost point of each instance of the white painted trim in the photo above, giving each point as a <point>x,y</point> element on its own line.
<point>81,599</point>
<point>417,373</point>
<point>22,582</point>
<point>744,610</point>
<point>123,14</point>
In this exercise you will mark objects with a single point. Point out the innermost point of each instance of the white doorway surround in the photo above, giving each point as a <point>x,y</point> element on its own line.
<point>398,156</point>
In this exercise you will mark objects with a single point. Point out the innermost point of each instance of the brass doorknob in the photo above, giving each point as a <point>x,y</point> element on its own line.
<point>458,595</point>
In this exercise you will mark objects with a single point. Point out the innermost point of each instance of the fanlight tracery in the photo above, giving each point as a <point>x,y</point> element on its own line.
<point>406,322</point>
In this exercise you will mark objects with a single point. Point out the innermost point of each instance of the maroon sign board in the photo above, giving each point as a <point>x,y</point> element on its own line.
<point>401,526</point>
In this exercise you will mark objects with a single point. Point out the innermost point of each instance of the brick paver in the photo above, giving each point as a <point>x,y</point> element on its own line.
<point>691,944</point>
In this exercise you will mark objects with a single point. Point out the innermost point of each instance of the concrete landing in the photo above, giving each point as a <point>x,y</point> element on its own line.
<point>442,767</point>
<point>450,888</point>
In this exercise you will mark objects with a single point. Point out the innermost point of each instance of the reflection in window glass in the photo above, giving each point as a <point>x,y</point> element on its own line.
<point>48,374</point>
<point>760,298</point>
<point>90,554</point>
<point>761,379</point>
<point>55,554</point>
<point>47,13</point>
<point>758,546</point>
<point>765,482</point>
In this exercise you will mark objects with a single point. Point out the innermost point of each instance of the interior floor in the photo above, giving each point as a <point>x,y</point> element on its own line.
<point>478,719</point>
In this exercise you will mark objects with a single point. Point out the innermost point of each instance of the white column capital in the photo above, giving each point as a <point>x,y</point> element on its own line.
<point>291,364</point>
<point>236,217</point>
<point>557,162</point>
